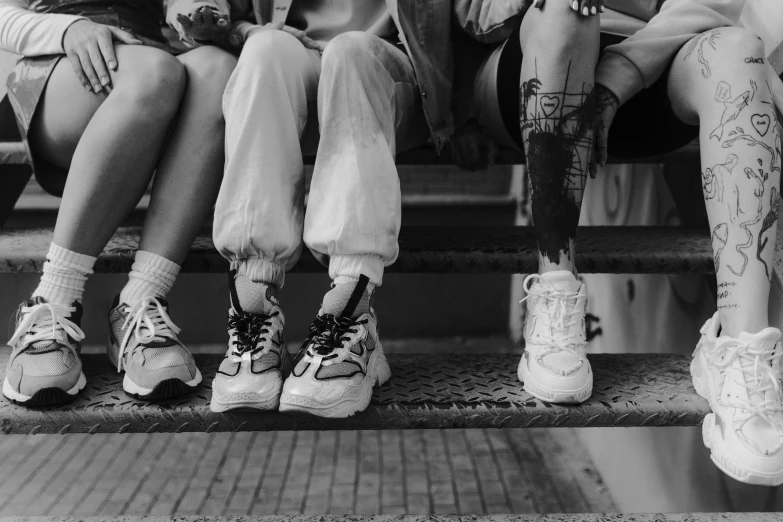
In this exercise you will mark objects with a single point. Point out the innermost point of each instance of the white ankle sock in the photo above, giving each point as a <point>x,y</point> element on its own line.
<point>151,275</point>
<point>64,275</point>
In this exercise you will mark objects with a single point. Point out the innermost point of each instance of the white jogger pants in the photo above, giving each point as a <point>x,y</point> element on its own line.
<point>368,107</point>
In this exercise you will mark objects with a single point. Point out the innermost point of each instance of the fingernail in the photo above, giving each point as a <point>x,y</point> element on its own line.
<point>96,87</point>
<point>575,6</point>
<point>112,64</point>
<point>585,11</point>
<point>104,81</point>
<point>594,10</point>
<point>87,86</point>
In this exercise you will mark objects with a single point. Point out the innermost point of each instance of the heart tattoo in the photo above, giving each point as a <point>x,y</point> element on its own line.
<point>761,123</point>
<point>549,105</point>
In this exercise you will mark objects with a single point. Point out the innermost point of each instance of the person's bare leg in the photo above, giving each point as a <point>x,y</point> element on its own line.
<point>560,52</point>
<point>189,173</point>
<point>110,143</point>
<point>720,81</point>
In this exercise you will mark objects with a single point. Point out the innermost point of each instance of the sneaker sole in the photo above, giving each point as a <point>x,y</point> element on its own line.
<point>247,400</point>
<point>166,389</point>
<point>45,396</point>
<point>718,452</point>
<point>541,392</point>
<point>379,374</point>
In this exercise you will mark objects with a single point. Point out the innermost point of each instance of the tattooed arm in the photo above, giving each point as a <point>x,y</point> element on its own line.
<point>637,62</point>
<point>606,105</point>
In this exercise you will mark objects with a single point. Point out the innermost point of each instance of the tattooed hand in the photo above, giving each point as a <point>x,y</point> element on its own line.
<point>472,149</point>
<point>586,7</point>
<point>606,105</point>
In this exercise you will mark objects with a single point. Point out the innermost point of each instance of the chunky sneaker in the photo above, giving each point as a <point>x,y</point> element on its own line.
<point>257,361</point>
<point>45,369</point>
<point>554,367</point>
<point>338,365</point>
<point>143,342</point>
<point>740,378</point>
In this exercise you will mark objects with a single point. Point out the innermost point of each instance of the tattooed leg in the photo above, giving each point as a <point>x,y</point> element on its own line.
<point>560,52</point>
<point>720,81</point>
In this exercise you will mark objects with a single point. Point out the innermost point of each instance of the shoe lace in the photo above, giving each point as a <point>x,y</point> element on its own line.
<point>561,308</point>
<point>763,365</point>
<point>329,336</point>
<point>147,321</point>
<point>250,330</point>
<point>46,321</point>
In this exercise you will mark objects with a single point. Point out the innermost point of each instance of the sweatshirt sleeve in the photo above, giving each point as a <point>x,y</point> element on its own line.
<point>32,34</point>
<point>639,61</point>
<point>488,21</point>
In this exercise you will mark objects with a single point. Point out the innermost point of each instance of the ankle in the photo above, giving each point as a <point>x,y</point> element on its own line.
<point>64,275</point>
<point>151,276</point>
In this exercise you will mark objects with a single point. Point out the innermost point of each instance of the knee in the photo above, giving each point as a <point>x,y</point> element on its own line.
<point>208,71</point>
<point>155,85</point>
<point>732,47</point>
<point>352,49</point>
<point>560,31</point>
<point>269,49</point>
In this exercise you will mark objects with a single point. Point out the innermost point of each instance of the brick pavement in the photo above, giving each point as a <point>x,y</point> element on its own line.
<point>417,472</point>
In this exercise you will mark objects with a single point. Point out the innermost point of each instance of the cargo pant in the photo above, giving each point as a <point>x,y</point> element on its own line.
<point>368,107</point>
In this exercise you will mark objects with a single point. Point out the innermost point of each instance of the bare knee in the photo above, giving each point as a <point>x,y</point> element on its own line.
<point>208,70</point>
<point>153,82</point>
<point>559,30</point>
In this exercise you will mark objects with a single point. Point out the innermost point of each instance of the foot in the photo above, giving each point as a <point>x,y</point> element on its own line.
<point>44,368</point>
<point>143,342</point>
<point>339,363</point>
<point>257,361</point>
<point>554,367</point>
<point>740,378</point>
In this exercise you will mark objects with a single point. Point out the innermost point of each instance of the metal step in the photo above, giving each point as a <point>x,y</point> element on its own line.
<point>425,391</point>
<point>430,249</point>
<point>576,517</point>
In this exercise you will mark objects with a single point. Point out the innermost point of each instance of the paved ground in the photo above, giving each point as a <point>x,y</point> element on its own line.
<point>419,472</point>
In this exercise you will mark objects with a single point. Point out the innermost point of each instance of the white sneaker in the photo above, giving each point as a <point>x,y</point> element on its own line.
<point>554,367</point>
<point>257,361</point>
<point>740,378</point>
<point>337,368</point>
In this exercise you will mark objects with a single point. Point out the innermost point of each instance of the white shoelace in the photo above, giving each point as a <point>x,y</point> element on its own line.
<point>47,321</point>
<point>147,321</point>
<point>763,365</point>
<point>561,317</point>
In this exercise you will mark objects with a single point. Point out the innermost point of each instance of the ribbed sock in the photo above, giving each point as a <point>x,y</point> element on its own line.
<point>151,276</point>
<point>64,275</point>
<point>255,298</point>
<point>337,298</point>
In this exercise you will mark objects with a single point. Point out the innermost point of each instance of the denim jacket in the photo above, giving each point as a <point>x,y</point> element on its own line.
<point>425,31</point>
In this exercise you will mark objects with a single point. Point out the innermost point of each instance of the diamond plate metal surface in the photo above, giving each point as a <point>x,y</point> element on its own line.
<point>426,391</point>
<point>430,249</point>
<point>579,517</point>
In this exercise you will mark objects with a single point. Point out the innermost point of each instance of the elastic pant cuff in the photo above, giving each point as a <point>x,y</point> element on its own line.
<point>353,266</point>
<point>260,271</point>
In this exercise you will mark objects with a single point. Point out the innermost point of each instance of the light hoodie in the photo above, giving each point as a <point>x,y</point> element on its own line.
<point>32,34</point>
<point>657,29</point>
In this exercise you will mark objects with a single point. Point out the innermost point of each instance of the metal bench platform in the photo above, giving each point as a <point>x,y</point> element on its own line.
<point>426,391</point>
<point>576,517</point>
<point>430,249</point>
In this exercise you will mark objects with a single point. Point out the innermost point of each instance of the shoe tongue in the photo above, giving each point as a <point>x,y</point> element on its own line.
<point>255,298</point>
<point>351,299</point>
<point>766,340</point>
<point>561,280</point>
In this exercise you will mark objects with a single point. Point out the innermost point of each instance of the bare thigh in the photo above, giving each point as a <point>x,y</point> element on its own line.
<point>66,107</point>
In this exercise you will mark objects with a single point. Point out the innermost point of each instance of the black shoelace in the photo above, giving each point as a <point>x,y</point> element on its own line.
<point>250,330</point>
<point>327,333</point>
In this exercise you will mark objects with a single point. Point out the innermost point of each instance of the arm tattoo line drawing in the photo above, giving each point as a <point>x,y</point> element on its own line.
<point>713,179</point>
<point>709,38</point>
<point>720,237</point>
<point>556,128</point>
<point>769,220</point>
<point>758,192</point>
<point>732,109</point>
